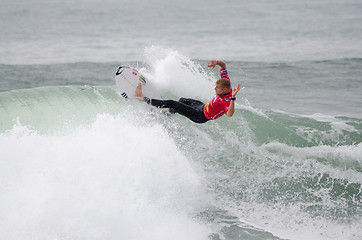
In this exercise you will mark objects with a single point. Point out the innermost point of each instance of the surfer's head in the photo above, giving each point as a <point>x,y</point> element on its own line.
<point>222,86</point>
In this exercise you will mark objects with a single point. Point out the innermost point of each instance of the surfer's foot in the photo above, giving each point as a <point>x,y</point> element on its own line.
<point>139,93</point>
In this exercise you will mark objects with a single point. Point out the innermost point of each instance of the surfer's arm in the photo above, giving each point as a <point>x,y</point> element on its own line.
<point>223,70</point>
<point>231,110</point>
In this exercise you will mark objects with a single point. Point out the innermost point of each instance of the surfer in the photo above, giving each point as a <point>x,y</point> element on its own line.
<point>197,111</point>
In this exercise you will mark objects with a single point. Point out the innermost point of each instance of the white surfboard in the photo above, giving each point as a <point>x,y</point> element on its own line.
<point>127,80</point>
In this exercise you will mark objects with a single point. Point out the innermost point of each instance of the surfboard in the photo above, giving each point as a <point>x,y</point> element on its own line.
<point>127,80</point>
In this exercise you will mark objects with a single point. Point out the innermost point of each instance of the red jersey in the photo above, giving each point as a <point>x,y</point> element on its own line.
<point>219,105</point>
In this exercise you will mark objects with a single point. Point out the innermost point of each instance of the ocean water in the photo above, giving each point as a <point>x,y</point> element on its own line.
<point>78,161</point>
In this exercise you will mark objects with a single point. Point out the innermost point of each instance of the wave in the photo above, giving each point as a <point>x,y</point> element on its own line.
<point>255,172</point>
<point>80,161</point>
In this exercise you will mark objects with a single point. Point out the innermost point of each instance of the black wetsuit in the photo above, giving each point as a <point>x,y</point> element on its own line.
<point>190,108</point>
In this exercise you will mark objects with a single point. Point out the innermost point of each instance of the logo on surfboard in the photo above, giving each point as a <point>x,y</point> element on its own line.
<point>124,95</point>
<point>119,70</point>
<point>143,80</point>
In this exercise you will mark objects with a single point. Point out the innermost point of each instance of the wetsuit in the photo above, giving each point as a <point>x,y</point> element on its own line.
<point>190,108</point>
<point>195,110</point>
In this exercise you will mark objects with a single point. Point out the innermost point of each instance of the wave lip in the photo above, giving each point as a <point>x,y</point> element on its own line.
<point>52,108</point>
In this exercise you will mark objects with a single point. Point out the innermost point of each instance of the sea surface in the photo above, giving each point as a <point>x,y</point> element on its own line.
<point>78,161</point>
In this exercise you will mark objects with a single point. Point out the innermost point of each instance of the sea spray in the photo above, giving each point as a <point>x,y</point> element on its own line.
<point>177,74</point>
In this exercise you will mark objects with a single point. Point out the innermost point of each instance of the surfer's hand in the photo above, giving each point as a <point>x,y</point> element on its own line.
<point>235,90</point>
<point>213,63</point>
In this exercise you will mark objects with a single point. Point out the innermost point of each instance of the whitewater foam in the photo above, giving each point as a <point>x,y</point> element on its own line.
<point>115,178</point>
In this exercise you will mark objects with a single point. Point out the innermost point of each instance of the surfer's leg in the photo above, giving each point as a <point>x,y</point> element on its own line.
<point>191,102</point>
<point>195,114</point>
<point>160,103</point>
